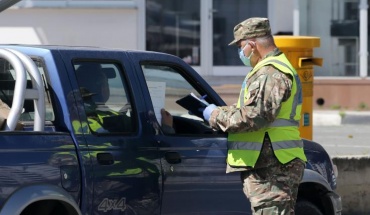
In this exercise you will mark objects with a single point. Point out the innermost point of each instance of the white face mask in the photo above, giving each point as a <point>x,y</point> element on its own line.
<point>243,58</point>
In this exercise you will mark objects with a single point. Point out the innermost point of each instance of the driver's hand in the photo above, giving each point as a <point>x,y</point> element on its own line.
<point>167,118</point>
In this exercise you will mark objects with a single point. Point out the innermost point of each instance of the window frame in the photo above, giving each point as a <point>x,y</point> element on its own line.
<point>194,84</point>
<point>127,87</point>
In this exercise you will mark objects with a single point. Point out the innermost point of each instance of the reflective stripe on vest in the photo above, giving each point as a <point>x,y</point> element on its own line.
<point>256,146</point>
<point>284,122</point>
<point>287,144</point>
<point>244,147</point>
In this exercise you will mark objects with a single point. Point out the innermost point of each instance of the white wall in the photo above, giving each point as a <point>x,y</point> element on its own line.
<point>314,20</point>
<point>318,24</point>
<point>280,14</point>
<point>112,28</point>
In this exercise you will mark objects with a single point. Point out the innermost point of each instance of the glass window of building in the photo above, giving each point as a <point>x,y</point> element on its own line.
<point>228,13</point>
<point>174,27</point>
<point>345,38</point>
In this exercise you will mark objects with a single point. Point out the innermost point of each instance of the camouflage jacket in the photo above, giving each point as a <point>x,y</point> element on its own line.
<point>268,88</point>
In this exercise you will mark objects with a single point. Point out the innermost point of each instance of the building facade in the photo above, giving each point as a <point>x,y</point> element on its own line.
<point>199,31</point>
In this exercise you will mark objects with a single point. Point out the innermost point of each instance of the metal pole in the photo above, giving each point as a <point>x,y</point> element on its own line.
<point>363,6</point>
<point>206,32</point>
<point>19,89</point>
<point>177,35</point>
<point>141,26</point>
<point>296,18</point>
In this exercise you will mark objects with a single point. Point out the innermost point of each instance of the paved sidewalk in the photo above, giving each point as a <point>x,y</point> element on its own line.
<point>336,118</point>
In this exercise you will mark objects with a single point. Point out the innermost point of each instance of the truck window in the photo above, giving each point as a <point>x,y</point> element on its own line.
<point>7,83</point>
<point>166,85</point>
<point>106,100</point>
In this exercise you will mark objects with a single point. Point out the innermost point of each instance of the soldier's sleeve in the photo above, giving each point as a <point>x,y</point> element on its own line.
<point>271,88</point>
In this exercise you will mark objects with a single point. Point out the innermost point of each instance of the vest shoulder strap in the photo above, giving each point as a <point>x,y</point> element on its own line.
<point>279,61</point>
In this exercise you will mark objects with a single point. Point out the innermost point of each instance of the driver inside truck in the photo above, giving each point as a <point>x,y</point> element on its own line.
<point>95,92</point>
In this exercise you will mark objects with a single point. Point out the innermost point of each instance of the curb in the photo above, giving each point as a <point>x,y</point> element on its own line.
<point>352,183</point>
<point>337,118</point>
<point>356,118</point>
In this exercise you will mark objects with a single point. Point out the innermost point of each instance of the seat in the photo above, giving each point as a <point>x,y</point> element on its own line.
<point>6,99</point>
<point>4,112</point>
<point>7,93</point>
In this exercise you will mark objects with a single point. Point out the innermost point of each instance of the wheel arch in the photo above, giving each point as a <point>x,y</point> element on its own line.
<point>316,189</point>
<point>35,194</point>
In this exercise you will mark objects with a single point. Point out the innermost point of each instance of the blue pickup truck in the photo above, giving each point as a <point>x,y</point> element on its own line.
<point>59,157</point>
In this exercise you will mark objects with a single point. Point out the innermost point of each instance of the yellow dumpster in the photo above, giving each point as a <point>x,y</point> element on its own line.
<point>299,51</point>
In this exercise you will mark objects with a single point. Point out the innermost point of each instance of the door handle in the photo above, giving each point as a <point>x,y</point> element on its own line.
<point>105,158</point>
<point>173,157</point>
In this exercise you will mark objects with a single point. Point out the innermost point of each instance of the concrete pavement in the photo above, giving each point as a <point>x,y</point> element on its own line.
<point>345,136</point>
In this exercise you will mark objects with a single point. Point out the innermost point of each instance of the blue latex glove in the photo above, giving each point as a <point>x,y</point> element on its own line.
<point>207,112</point>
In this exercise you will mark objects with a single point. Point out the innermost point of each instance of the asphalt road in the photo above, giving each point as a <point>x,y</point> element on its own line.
<point>344,140</point>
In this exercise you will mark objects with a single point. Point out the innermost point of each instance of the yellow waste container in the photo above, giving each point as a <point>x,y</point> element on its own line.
<point>299,51</point>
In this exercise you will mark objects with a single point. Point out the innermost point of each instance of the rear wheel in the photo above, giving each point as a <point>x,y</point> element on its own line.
<point>304,207</point>
<point>48,207</point>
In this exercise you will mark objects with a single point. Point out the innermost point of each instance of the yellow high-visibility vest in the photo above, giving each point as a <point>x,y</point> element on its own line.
<point>244,147</point>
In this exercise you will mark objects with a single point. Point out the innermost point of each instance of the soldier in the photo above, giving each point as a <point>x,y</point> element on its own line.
<point>264,142</point>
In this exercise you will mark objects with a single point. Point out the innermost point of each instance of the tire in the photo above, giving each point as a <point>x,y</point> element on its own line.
<point>304,207</point>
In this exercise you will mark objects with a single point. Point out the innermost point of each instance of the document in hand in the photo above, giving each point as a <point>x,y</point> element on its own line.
<point>193,104</point>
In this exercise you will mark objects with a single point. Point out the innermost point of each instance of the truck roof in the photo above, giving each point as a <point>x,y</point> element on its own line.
<point>70,48</point>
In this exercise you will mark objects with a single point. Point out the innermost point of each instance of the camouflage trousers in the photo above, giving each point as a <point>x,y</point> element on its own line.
<point>272,189</point>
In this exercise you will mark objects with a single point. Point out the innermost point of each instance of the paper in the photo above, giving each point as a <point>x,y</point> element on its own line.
<point>157,92</point>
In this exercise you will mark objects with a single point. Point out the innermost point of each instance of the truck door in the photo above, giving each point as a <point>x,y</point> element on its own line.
<point>122,166</point>
<point>193,155</point>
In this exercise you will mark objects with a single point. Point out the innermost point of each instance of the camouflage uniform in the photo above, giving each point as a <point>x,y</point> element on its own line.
<point>270,186</point>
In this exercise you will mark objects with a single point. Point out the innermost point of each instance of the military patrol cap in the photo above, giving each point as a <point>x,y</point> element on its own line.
<point>251,28</point>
